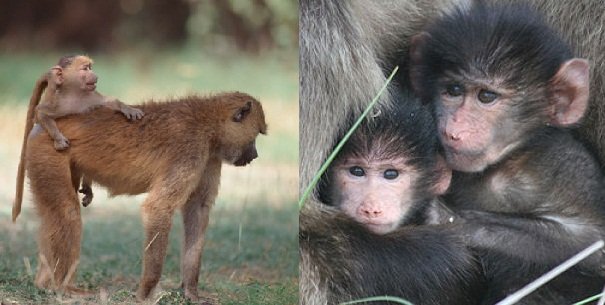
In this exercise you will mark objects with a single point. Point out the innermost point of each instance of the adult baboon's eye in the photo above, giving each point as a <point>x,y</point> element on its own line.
<point>486,96</point>
<point>391,174</point>
<point>357,171</point>
<point>454,90</point>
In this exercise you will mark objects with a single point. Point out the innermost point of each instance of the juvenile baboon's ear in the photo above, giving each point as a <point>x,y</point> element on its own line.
<point>57,72</point>
<point>242,112</point>
<point>569,89</point>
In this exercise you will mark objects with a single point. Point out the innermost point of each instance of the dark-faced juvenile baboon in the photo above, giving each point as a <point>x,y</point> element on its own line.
<point>69,88</point>
<point>505,89</point>
<point>174,153</point>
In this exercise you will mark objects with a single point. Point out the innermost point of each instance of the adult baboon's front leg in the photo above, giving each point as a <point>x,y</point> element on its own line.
<point>195,218</point>
<point>157,210</point>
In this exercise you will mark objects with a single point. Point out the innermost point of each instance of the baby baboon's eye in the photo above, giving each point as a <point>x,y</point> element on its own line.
<point>391,174</point>
<point>357,171</point>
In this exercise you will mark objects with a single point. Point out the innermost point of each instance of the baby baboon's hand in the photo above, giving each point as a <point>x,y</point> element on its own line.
<point>132,113</point>
<point>62,143</point>
<point>87,191</point>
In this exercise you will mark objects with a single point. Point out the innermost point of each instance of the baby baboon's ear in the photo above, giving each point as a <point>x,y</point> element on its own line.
<point>241,113</point>
<point>57,73</point>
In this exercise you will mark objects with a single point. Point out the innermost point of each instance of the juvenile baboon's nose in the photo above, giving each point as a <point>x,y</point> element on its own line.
<point>370,211</point>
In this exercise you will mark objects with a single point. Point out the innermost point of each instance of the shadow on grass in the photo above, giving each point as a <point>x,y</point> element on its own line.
<point>250,257</point>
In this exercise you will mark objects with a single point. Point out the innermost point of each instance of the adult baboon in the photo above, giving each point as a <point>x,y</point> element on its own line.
<point>174,153</point>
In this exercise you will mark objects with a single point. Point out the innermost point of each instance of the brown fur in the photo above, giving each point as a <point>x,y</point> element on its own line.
<point>69,90</point>
<point>174,153</point>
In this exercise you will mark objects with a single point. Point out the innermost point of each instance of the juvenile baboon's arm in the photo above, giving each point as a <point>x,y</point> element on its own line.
<point>130,112</point>
<point>45,116</point>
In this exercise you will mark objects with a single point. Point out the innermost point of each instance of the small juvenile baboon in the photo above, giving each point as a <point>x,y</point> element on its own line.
<point>174,153</point>
<point>505,89</point>
<point>388,173</point>
<point>72,89</point>
<point>69,88</point>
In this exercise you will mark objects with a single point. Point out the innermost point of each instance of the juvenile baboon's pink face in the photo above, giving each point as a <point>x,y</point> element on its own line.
<point>378,194</point>
<point>80,73</point>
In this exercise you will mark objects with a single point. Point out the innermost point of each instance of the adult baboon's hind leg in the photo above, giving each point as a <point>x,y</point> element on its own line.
<point>195,218</point>
<point>60,229</point>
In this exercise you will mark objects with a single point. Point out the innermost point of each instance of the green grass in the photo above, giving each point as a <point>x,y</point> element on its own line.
<point>258,267</point>
<point>251,250</point>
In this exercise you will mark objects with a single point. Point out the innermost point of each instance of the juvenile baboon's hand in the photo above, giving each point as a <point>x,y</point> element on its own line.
<point>132,113</point>
<point>62,143</point>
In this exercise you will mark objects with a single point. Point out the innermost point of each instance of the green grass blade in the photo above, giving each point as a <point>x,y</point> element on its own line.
<point>378,299</point>
<point>342,142</point>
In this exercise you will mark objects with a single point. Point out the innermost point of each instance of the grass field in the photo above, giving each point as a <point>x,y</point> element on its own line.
<point>251,250</point>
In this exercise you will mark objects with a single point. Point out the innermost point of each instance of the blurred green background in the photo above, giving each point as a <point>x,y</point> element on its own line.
<point>146,49</point>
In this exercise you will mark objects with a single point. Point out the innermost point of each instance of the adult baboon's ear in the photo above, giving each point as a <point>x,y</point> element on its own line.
<point>242,112</point>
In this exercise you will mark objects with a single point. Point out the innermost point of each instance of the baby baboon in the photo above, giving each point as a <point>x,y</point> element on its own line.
<point>388,173</point>
<point>70,88</point>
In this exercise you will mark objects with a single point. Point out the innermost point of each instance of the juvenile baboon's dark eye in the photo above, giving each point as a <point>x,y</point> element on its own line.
<point>486,96</point>
<point>454,90</point>
<point>391,174</point>
<point>357,171</point>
